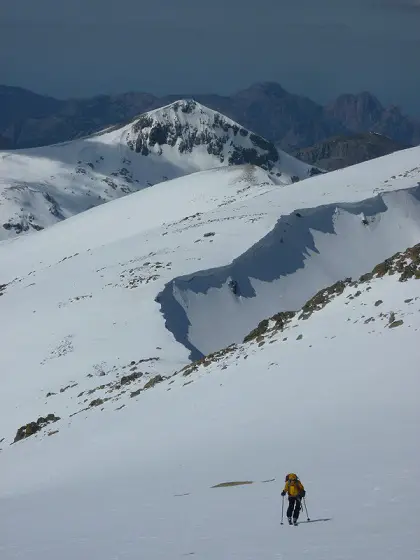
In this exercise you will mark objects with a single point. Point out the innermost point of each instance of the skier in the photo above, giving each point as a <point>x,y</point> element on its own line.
<point>294,488</point>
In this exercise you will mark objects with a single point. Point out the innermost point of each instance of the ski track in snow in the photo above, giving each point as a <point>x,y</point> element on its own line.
<point>332,397</point>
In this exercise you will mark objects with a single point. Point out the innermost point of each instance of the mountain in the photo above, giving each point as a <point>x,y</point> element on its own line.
<point>342,151</point>
<point>284,118</point>
<point>18,104</point>
<point>79,118</point>
<point>115,445</point>
<point>356,112</point>
<point>31,120</point>
<point>41,186</point>
<point>287,119</point>
<point>291,121</point>
<point>364,113</point>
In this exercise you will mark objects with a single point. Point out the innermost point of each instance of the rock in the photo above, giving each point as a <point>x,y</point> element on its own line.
<point>154,381</point>
<point>280,321</point>
<point>126,379</point>
<point>34,427</point>
<point>234,287</point>
<point>258,331</point>
<point>321,299</point>
<point>341,151</point>
<point>96,402</point>
<point>207,360</point>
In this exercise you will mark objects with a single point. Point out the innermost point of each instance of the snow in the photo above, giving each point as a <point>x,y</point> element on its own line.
<point>82,300</point>
<point>42,186</point>
<point>295,260</point>
<point>111,486</point>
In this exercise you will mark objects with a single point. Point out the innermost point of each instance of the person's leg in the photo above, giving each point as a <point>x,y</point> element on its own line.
<point>289,512</point>
<point>297,509</point>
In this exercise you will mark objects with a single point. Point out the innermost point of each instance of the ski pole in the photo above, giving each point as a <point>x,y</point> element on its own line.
<point>282,510</point>
<point>306,509</point>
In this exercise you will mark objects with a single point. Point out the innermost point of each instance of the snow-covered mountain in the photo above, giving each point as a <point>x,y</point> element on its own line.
<point>41,186</point>
<point>125,454</point>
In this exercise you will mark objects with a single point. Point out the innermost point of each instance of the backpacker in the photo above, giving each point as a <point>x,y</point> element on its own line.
<point>293,485</point>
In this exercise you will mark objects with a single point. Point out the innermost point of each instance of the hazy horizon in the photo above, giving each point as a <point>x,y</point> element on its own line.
<point>319,50</point>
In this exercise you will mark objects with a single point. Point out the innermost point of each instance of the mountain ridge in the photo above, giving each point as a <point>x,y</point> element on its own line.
<point>289,120</point>
<point>341,151</point>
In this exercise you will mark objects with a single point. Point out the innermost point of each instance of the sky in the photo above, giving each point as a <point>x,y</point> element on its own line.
<point>319,48</point>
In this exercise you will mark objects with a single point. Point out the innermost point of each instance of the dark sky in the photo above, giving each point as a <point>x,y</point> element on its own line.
<point>319,48</point>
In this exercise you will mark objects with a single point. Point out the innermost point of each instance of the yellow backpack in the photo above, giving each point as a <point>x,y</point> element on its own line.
<point>293,484</point>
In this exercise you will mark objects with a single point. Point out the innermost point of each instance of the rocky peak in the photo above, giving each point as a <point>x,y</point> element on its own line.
<point>188,127</point>
<point>263,90</point>
<point>341,151</point>
<point>357,112</point>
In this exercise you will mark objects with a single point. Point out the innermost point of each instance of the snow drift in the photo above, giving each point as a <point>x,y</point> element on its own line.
<point>306,250</point>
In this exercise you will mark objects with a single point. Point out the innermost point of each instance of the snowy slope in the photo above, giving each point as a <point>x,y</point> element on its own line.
<point>42,186</point>
<point>333,397</point>
<point>92,314</point>
<point>157,285</point>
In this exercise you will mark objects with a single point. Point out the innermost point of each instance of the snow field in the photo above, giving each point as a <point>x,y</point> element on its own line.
<point>333,397</point>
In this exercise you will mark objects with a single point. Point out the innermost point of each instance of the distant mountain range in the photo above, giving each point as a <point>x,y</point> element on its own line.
<point>290,121</point>
<point>341,151</point>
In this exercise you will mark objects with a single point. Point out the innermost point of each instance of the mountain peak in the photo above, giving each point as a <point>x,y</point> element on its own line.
<point>184,104</point>
<point>177,139</point>
<point>344,150</point>
<point>188,127</point>
<point>357,111</point>
<point>187,109</point>
<point>263,89</point>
